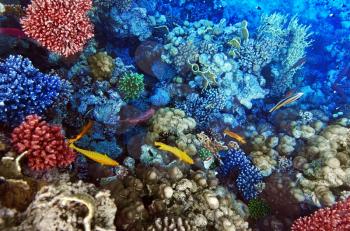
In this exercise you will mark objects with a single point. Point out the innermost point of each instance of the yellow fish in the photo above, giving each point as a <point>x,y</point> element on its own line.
<point>96,156</point>
<point>85,130</point>
<point>287,100</point>
<point>235,136</point>
<point>177,152</point>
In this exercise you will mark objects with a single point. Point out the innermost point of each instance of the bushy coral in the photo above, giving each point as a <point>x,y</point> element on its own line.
<point>101,65</point>
<point>334,218</point>
<point>131,85</point>
<point>60,26</point>
<point>249,181</point>
<point>161,97</point>
<point>44,143</point>
<point>24,90</point>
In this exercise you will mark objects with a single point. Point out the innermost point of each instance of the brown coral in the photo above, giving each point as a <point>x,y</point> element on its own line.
<point>101,65</point>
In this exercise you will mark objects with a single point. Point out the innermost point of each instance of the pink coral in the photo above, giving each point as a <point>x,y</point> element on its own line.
<point>44,142</point>
<point>336,218</point>
<point>61,26</point>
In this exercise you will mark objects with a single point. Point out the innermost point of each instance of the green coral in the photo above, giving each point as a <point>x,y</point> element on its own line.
<point>204,154</point>
<point>101,65</point>
<point>258,208</point>
<point>131,85</point>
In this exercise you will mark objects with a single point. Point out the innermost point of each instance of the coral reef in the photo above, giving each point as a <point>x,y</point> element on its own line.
<point>69,27</point>
<point>131,85</point>
<point>191,201</point>
<point>24,90</point>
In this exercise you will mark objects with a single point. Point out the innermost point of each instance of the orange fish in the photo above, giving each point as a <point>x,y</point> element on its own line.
<point>85,130</point>
<point>235,136</point>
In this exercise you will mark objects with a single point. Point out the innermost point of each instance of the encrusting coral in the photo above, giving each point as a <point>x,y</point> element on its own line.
<point>166,198</point>
<point>173,126</point>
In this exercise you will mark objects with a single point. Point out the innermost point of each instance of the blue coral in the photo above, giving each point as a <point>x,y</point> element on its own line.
<point>24,90</point>
<point>203,108</point>
<point>161,97</point>
<point>249,181</point>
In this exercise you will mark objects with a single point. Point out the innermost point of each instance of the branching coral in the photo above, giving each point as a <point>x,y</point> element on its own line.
<point>68,29</point>
<point>174,196</point>
<point>45,144</point>
<point>173,126</point>
<point>249,181</point>
<point>333,219</point>
<point>24,90</point>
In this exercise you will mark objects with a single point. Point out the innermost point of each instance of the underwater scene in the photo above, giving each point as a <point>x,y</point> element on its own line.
<point>174,115</point>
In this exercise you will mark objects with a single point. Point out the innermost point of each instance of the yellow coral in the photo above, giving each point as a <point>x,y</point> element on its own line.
<point>101,65</point>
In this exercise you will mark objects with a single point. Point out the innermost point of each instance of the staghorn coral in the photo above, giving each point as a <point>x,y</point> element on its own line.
<point>159,198</point>
<point>173,126</point>
<point>43,143</point>
<point>70,206</point>
<point>101,65</point>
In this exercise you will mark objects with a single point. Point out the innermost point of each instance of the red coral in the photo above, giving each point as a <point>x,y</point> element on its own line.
<point>61,26</point>
<point>44,142</point>
<point>336,218</point>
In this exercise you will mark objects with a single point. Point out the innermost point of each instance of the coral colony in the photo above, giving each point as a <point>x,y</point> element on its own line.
<point>188,115</point>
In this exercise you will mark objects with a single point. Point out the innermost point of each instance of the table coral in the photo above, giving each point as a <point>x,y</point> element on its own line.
<point>70,206</point>
<point>24,90</point>
<point>175,127</point>
<point>69,27</point>
<point>44,143</point>
<point>156,198</point>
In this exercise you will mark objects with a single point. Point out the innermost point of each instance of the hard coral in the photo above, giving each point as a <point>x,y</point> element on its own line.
<point>101,65</point>
<point>70,206</point>
<point>249,181</point>
<point>131,85</point>
<point>44,143</point>
<point>159,199</point>
<point>60,26</point>
<point>175,127</point>
<point>24,90</point>
<point>336,218</point>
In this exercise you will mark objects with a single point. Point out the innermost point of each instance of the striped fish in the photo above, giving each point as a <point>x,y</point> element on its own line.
<point>287,100</point>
